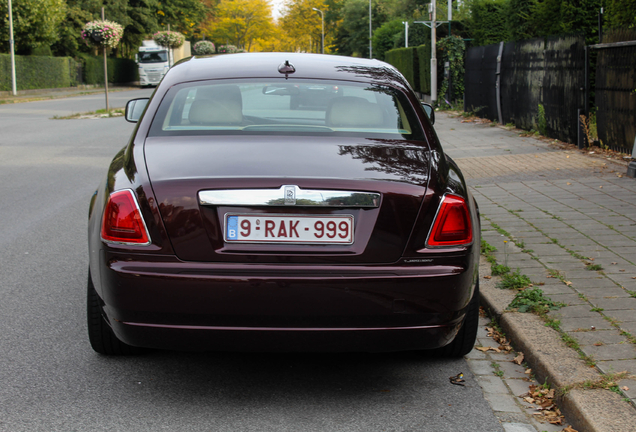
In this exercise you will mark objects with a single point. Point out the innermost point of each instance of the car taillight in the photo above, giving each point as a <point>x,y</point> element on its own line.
<point>122,221</point>
<point>452,225</point>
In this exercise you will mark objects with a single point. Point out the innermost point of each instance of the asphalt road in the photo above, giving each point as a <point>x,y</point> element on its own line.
<point>51,380</point>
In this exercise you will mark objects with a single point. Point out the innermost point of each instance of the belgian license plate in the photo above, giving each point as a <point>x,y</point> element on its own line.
<point>300,229</point>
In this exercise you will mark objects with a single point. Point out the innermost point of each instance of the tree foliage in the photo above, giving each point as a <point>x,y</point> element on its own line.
<point>488,22</point>
<point>620,13</point>
<point>240,22</point>
<point>302,25</point>
<point>35,23</point>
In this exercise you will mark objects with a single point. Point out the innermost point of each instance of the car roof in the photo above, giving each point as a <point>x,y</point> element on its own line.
<point>266,65</point>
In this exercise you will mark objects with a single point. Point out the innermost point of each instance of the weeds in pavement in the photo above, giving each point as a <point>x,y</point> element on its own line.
<point>533,300</point>
<point>514,280</point>
<point>497,369</point>
<point>498,269</point>
<point>593,267</point>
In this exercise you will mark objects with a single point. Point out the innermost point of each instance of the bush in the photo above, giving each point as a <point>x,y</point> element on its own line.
<point>424,60</point>
<point>120,70</point>
<point>384,37</point>
<point>227,49</point>
<point>405,60</point>
<point>37,72</point>
<point>203,47</point>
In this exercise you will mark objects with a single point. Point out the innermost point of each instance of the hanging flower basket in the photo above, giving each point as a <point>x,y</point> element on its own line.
<point>169,39</point>
<point>204,48</point>
<point>102,33</point>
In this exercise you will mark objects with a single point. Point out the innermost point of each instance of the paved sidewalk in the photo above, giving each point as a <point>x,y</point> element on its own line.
<point>568,221</point>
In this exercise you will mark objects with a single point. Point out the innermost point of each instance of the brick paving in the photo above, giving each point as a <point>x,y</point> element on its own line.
<point>571,218</point>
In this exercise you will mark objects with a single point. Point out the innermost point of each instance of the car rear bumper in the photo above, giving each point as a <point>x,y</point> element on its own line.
<point>166,303</point>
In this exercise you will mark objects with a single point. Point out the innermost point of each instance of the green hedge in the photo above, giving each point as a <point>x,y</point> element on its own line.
<point>120,70</point>
<point>37,72</point>
<point>424,59</point>
<point>405,60</point>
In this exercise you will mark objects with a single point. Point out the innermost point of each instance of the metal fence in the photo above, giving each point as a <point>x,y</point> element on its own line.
<point>508,82</point>
<point>616,92</point>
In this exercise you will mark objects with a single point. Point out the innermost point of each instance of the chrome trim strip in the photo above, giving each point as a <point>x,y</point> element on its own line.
<point>280,329</point>
<point>288,195</point>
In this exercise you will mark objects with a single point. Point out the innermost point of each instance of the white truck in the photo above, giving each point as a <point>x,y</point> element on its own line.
<point>154,61</point>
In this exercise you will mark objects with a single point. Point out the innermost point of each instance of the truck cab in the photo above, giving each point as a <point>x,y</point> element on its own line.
<point>153,63</point>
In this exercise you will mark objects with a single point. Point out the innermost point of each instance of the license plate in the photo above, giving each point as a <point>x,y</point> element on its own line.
<point>275,228</point>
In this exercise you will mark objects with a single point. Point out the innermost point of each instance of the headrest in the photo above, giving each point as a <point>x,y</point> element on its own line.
<point>215,112</point>
<point>350,111</point>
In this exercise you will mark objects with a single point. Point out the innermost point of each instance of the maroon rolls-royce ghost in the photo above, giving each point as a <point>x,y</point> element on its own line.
<point>231,221</point>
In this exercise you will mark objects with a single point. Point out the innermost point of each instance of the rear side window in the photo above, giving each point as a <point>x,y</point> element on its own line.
<point>286,107</point>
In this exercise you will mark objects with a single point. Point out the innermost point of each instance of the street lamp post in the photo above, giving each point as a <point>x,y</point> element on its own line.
<point>322,17</point>
<point>14,90</point>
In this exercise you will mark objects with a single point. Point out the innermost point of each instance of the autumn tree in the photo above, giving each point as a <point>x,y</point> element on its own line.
<point>240,22</point>
<point>303,25</point>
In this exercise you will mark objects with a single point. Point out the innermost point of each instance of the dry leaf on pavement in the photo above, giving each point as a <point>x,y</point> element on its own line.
<point>519,359</point>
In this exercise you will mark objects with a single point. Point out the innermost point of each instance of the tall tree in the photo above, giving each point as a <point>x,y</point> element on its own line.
<point>518,23</point>
<point>303,24</point>
<point>620,13</point>
<point>35,23</point>
<point>240,22</point>
<point>489,21</point>
<point>353,35</point>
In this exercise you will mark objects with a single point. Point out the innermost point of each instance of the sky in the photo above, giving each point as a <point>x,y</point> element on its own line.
<point>276,7</point>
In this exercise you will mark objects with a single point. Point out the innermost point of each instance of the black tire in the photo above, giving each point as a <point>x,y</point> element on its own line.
<point>465,339</point>
<point>100,335</point>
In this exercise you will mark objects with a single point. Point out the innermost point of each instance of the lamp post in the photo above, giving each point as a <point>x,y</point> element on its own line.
<point>14,90</point>
<point>322,18</point>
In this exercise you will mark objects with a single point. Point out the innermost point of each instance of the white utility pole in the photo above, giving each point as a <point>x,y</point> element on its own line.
<point>14,89</point>
<point>406,33</point>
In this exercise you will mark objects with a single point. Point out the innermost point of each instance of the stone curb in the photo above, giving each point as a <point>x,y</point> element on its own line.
<point>552,361</point>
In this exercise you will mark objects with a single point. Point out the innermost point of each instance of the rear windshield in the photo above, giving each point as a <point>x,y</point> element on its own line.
<point>298,107</point>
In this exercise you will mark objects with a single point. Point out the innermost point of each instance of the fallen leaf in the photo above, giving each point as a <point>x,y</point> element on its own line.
<point>624,388</point>
<point>487,277</point>
<point>528,371</point>
<point>568,283</point>
<point>568,183</point>
<point>600,187</point>
<point>569,429</point>
<point>621,270</point>
<point>483,349</point>
<point>614,263</point>
<point>519,359</point>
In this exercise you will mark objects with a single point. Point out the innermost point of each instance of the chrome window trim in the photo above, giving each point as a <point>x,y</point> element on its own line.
<point>289,195</point>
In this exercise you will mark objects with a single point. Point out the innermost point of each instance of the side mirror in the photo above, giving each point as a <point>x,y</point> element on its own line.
<point>135,108</point>
<point>430,112</point>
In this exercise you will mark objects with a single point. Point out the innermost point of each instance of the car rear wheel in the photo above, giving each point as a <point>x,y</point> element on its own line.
<point>465,339</point>
<point>100,335</point>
